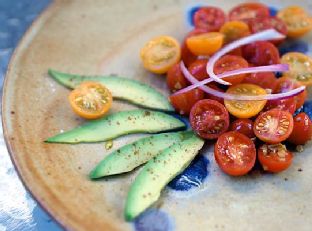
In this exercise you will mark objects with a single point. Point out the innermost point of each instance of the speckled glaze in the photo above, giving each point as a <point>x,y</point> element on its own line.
<point>104,37</point>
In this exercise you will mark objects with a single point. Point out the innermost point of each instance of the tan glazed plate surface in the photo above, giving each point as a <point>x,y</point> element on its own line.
<point>104,37</point>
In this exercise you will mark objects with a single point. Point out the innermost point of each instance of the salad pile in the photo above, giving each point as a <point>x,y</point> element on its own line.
<point>224,78</point>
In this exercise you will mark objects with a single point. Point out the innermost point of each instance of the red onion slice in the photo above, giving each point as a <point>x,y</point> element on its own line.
<point>269,34</point>
<point>228,96</point>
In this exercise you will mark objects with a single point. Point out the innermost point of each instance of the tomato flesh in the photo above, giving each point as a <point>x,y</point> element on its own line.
<point>234,30</point>
<point>247,11</point>
<point>198,69</point>
<point>273,126</point>
<point>209,119</point>
<point>244,126</point>
<point>274,158</point>
<point>235,153</point>
<point>302,131</point>
<point>209,18</point>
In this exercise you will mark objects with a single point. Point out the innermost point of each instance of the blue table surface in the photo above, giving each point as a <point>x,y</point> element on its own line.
<point>18,210</point>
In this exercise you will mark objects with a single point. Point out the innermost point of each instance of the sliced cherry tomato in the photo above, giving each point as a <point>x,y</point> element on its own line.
<point>241,108</point>
<point>184,102</point>
<point>300,67</point>
<point>261,53</point>
<point>273,126</point>
<point>260,24</point>
<point>205,44</point>
<point>187,56</point>
<point>302,131</point>
<point>266,80</point>
<point>244,126</point>
<point>288,104</point>
<point>235,153</point>
<point>237,51</point>
<point>90,100</point>
<point>274,157</point>
<point>209,119</point>
<point>230,63</point>
<point>160,53</point>
<point>215,87</point>
<point>234,30</point>
<point>285,84</point>
<point>247,11</point>
<point>297,20</point>
<point>198,69</point>
<point>209,18</point>
<point>175,78</point>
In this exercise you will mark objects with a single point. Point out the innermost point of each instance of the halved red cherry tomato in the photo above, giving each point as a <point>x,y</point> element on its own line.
<point>266,80</point>
<point>297,20</point>
<point>205,44</point>
<point>241,108</point>
<point>198,69</point>
<point>260,24</point>
<point>288,104</point>
<point>230,63</point>
<point>234,30</point>
<point>186,55</point>
<point>175,78</point>
<point>273,126</point>
<point>302,131</point>
<point>244,126</point>
<point>209,119</point>
<point>184,102</point>
<point>261,53</point>
<point>90,100</point>
<point>246,11</point>
<point>215,87</point>
<point>285,84</point>
<point>300,67</point>
<point>235,153</point>
<point>274,157</point>
<point>160,53</point>
<point>209,18</point>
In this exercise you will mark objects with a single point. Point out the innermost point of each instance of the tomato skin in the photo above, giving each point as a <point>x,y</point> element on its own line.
<point>274,158</point>
<point>209,119</point>
<point>285,84</point>
<point>184,102</point>
<point>198,69</point>
<point>244,126</point>
<point>234,30</point>
<point>288,104</point>
<point>175,78</point>
<point>229,63</point>
<point>302,131</point>
<point>266,80</point>
<point>215,87</point>
<point>261,53</point>
<point>235,153</point>
<point>247,11</point>
<point>273,126</point>
<point>209,18</point>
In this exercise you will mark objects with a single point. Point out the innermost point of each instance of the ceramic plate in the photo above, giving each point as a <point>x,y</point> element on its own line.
<point>104,37</point>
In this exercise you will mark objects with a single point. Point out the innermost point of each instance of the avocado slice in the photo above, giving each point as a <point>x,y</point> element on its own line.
<point>119,124</point>
<point>129,90</point>
<point>130,156</point>
<point>157,173</point>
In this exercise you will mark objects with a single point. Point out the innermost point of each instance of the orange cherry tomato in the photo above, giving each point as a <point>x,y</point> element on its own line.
<point>274,158</point>
<point>300,67</point>
<point>160,53</point>
<point>205,44</point>
<point>90,100</point>
<point>241,108</point>
<point>234,30</point>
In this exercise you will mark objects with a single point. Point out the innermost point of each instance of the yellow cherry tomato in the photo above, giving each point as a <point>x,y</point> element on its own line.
<point>245,108</point>
<point>297,20</point>
<point>205,44</point>
<point>160,53</point>
<point>234,30</point>
<point>300,67</point>
<point>90,100</point>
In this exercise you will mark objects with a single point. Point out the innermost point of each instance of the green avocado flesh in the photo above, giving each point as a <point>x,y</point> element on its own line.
<point>119,124</point>
<point>130,156</point>
<point>157,173</point>
<point>129,90</point>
